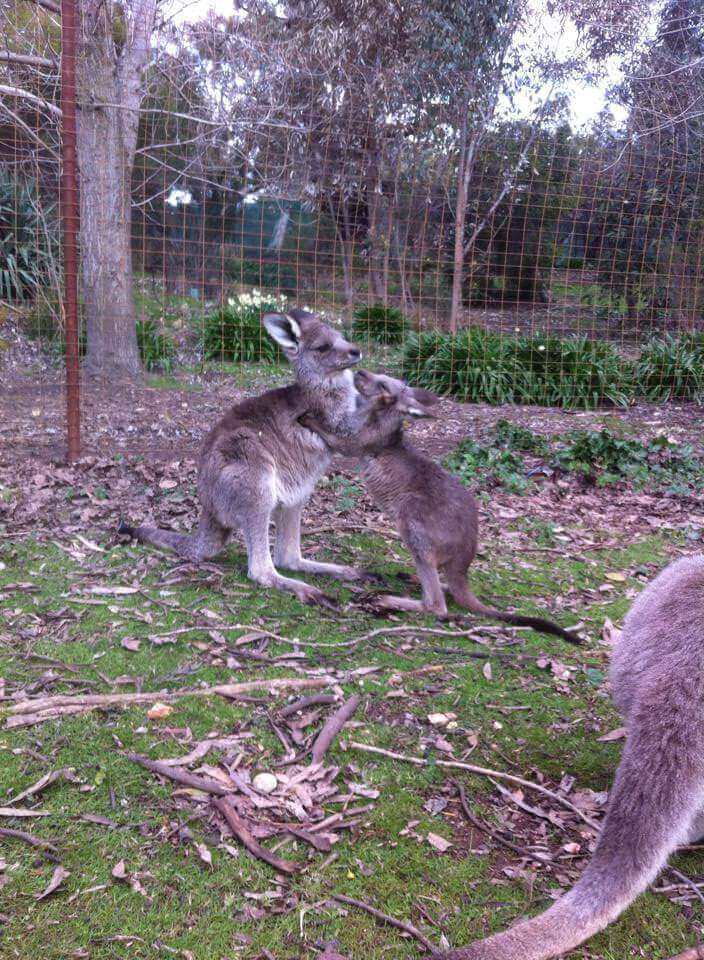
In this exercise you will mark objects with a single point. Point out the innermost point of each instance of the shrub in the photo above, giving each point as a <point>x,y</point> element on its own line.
<point>516,437</point>
<point>28,241</point>
<point>604,458</point>
<point>473,365</point>
<point>482,367</point>
<point>478,465</point>
<point>235,332</point>
<point>672,368</point>
<point>383,324</point>
<point>264,273</point>
<point>572,372</point>
<point>156,349</point>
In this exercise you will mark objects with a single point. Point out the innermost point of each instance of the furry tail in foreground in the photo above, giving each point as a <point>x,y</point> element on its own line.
<point>654,808</point>
<point>205,542</point>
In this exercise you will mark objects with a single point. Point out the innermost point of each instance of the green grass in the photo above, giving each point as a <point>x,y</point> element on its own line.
<point>206,911</point>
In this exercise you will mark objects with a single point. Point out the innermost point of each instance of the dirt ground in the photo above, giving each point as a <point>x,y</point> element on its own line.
<point>142,435</point>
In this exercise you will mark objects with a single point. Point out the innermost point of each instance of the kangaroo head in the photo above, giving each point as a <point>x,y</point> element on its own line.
<point>317,352</point>
<point>390,401</point>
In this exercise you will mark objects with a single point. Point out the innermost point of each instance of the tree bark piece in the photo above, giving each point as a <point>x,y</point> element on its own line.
<point>313,701</point>
<point>332,728</point>
<point>385,918</point>
<point>239,828</point>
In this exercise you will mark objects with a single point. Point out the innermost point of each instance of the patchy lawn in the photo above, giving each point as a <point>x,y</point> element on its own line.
<point>149,868</point>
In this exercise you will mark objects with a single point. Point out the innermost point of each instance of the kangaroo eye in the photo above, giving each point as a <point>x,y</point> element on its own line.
<point>323,348</point>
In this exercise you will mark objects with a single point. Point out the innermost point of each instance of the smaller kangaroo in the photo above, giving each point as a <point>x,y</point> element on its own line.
<point>657,800</point>
<point>436,515</point>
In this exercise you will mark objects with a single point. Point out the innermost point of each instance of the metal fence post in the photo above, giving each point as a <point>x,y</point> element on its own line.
<point>70,221</point>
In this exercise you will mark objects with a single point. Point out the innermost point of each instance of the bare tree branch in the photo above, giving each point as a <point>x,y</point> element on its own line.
<point>21,94</point>
<point>8,56</point>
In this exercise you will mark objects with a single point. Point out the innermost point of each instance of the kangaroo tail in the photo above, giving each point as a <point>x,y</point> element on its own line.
<point>657,795</point>
<point>164,539</point>
<point>464,596</point>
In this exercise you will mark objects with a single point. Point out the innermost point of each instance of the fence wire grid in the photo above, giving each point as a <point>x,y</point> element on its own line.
<point>499,202</point>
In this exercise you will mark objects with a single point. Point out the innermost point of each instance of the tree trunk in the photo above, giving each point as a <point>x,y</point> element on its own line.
<point>110,73</point>
<point>460,221</point>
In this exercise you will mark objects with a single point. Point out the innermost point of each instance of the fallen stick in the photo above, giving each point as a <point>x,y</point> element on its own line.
<point>186,779</point>
<point>481,771</point>
<point>385,918</point>
<point>332,728</point>
<point>27,838</point>
<point>542,858</point>
<point>23,812</point>
<point>313,701</point>
<point>240,830</point>
<point>230,690</point>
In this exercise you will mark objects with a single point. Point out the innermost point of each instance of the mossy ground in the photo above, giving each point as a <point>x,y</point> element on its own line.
<point>209,913</point>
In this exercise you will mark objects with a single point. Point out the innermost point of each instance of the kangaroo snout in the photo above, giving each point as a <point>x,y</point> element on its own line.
<point>355,354</point>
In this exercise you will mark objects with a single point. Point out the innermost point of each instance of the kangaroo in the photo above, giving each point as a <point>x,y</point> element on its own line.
<point>258,462</point>
<point>436,515</point>
<point>657,800</point>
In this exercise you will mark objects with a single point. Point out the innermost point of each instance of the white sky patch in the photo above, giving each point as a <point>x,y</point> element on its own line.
<point>179,198</point>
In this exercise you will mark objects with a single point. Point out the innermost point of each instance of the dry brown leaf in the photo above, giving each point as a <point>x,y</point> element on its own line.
<point>57,878</point>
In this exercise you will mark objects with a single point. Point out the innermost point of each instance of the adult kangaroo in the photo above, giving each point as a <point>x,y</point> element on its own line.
<point>657,800</point>
<point>258,462</point>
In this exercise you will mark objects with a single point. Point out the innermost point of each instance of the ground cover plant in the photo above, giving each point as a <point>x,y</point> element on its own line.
<point>514,457</point>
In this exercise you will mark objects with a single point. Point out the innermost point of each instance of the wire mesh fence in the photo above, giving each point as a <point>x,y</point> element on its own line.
<point>435,177</point>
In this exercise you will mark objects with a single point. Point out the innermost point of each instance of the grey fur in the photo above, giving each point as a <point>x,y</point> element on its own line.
<point>258,462</point>
<point>657,800</point>
<point>436,516</point>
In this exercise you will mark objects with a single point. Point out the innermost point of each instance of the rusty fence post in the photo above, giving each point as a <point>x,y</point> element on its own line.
<point>70,220</point>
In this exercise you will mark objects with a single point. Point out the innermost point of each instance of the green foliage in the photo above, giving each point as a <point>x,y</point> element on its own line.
<point>235,332</point>
<point>269,274</point>
<point>603,457</point>
<point>26,242</point>
<point>509,434</point>
<point>672,368</point>
<point>43,322</point>
<point>482,367</point>
<point>156,349</point>
<point>383,324</point>
<point>481,466</point>
<point>600,457</point>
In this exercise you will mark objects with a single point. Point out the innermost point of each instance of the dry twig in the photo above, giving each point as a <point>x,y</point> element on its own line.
<point>481,771</point>
<point>240,830</point>
<point>385,918</point>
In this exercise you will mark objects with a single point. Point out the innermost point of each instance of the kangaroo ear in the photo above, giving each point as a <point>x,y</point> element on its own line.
<point>424,397</point>
<point>283,328</point>
<point>418,403</point>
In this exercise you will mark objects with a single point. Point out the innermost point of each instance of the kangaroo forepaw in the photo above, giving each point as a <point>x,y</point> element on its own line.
<point>124,529</point>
